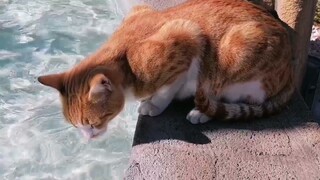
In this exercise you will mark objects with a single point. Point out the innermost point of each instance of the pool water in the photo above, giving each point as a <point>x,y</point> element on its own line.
<point>47,36</point>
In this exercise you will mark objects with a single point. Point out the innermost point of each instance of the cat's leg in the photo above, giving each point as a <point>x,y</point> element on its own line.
<point>162,98</point>
<point>195,116</point>
<point>238,99</point>
<point>235,107</point>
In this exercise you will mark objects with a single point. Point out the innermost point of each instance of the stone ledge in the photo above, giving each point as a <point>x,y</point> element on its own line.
<point>285,146</point>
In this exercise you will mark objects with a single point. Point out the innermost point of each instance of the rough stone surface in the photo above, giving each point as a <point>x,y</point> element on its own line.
<point>285,146</point>
<point>298,14</point>
<point>163,4</point>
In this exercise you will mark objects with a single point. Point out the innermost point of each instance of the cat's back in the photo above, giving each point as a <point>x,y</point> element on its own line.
<point>219,15</point>
<point>213,16</point>
<point>238,10</point>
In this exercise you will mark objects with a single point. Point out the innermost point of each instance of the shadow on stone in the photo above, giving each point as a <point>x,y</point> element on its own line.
<point>172,124</point>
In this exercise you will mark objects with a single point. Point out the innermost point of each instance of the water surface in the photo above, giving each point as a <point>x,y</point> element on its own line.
<point>48,36</point>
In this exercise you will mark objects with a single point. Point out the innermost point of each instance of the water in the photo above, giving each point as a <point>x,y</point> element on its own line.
<point>46,36</point>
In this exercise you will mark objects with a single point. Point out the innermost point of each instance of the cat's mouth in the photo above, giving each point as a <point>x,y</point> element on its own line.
<point>91,133</point>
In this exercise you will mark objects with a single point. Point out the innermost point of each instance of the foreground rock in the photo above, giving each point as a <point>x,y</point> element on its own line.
<point>286,146</point>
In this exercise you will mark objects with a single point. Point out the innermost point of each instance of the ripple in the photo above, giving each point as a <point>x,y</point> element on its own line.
<point>4,55</point>
<point>19,134</point>
<point>25,39</point>
<point>49,36</point>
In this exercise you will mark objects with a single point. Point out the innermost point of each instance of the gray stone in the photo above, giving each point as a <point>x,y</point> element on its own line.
<point>284,146</point>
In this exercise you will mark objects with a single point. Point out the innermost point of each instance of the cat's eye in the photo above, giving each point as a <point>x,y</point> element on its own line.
<point>103,81</point>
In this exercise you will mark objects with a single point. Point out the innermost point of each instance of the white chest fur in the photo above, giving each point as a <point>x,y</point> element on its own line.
<point>184,87</point>
<point>129,95</point>
<point>189,87</point>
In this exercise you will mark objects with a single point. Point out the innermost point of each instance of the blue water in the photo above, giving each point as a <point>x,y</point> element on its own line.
<point>46,36</point>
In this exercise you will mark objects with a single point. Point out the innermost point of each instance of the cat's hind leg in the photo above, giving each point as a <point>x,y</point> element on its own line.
<point>208,107</point>
<point>195,116</point>
<point>237,97</point>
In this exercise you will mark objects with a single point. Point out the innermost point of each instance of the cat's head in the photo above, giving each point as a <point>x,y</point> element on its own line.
<point>90,100</point>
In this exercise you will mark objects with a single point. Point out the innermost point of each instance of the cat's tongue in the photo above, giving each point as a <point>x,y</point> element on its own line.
<point>91,133</point>
<point>87,133</point>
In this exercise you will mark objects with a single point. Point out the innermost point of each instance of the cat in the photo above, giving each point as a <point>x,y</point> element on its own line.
<point>232,56</point>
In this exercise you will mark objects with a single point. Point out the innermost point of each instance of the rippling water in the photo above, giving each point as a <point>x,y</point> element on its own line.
<point>46,36</point>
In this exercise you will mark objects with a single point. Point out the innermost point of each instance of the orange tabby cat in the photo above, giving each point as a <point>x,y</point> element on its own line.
<point>233,56</point>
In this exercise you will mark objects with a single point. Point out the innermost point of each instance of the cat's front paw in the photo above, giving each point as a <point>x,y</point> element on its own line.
<point>147,108</point>
<point>196,117</point>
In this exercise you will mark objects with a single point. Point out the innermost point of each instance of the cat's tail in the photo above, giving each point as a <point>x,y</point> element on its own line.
<point>241,111</point>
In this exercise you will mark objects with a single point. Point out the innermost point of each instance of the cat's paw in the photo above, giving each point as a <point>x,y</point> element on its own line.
<point>196,117</point>
<point>147,108</point>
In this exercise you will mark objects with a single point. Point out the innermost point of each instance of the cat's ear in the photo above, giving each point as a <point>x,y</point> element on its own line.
<point>100,88</point>
<point>52,80</point>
